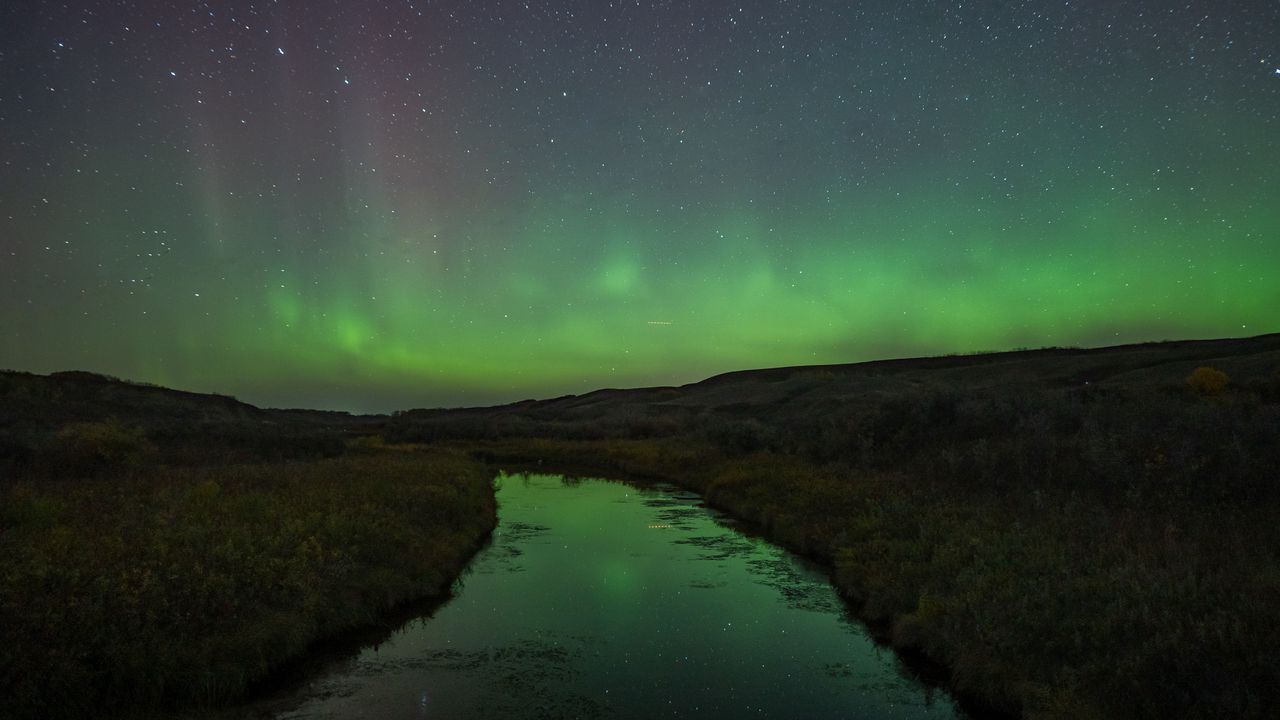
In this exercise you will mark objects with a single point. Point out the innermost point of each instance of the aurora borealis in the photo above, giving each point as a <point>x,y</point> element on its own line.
<point>380,205</point>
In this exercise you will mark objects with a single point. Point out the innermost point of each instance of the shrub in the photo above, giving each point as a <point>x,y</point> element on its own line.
<point>1207,381</point>
<point>89,448</point>
<point>737,437</point>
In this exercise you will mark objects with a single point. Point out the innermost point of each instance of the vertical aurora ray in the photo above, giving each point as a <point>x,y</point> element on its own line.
<point>374,206</point>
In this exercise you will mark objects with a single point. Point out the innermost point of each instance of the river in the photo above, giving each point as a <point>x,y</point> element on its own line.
<point>602,599</point>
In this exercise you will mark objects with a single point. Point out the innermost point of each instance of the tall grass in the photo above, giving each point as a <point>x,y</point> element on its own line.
<point>178,586</point>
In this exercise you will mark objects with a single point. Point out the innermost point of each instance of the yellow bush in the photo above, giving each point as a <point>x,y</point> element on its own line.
<point>1207,381</point>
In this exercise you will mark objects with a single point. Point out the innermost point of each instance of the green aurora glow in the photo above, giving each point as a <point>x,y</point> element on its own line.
<point>338,254</point>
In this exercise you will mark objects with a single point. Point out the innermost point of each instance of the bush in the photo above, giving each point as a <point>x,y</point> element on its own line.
<point>90,448</point>
<point>1207,381</point>
<point>738,437</point>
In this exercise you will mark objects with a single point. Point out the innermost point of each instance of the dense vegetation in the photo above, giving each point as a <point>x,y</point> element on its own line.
<point>1073,534</point>
<point>128,583</point>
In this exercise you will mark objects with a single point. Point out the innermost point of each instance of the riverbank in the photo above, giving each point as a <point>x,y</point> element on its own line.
<point>606,599</point>
<point>1049,605</point>
<point>170,586</point>
<point>1073,533</point>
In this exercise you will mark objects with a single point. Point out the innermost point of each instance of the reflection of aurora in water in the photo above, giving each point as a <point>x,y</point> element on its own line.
<point>579,608</point>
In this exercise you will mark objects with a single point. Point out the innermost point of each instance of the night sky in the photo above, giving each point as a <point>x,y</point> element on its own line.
<point>378,205</point>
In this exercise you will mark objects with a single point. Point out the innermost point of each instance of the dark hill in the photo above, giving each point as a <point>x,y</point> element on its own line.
<point>748,407</point>
<point>788,395</point>
<point>186,426</point>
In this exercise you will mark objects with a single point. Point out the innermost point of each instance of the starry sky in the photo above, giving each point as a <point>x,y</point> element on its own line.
<point>387,204</point>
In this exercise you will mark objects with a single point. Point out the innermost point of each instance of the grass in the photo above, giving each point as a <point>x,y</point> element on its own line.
<point>1065,554</point>
<point>180,586</point>
<point>1074,534</point>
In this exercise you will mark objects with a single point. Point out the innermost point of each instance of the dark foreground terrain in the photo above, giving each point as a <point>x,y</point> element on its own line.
<point>1071,533</point>
<point>163,550</point>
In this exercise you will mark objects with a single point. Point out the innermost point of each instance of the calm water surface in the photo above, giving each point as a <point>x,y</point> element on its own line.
<point>598,599</point>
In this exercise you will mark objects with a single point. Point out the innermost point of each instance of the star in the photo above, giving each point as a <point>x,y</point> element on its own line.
<point>694,166</point>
